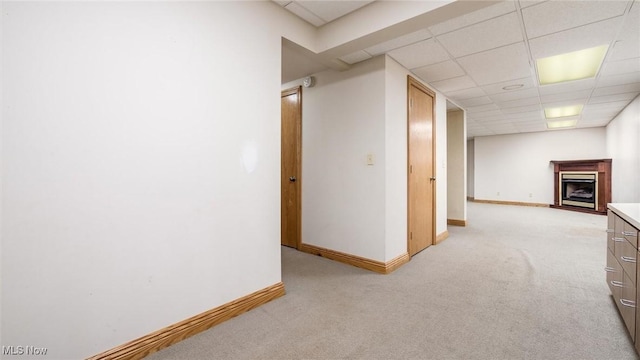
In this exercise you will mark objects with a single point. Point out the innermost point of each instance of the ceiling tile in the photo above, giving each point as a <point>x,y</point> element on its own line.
<point>616,105</point>
<point>401,41</point>
<point>618,89</point>
<point>487,115</point>
<point>504,129</point>
<point>305,14</point>
<point>600,119</point>
<point>440,71</point>
<point>620,67</point>
<point>596,115</point>
<point>628,44</point>
<point>526,122</point>
<point>355,57</point>
<point>422,53</point>
<point>482,100</point>
<point>554,16</point>
<point>466,93</point>
<point>331,10</point>
<point>625,49</point>
<point>577,85</point>
<point>496,122</point>
<point>572,95</point>
<point>612,98</point>
<point>529,115</point>
<point>584,125</point>
<point>619,79</point>
<point>498,88</point>
<point>458,83</point>
<point>482,108</point>
<point>520,102</point>
<point>501,64</point>
<point>553,104</point>
<point>583,37</point>
<point>490,34</point>
<point>515,95</point>
<point>474,17</point>
<point>521,109</point>
<point>527,3</point>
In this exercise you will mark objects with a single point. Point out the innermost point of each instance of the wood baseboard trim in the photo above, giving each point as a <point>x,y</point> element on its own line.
<point>456,222</point>
<point>442,236</point>
<point>499,202</point>
<point>142,347</point>
<point>470,198</point>
<point>393,264</point>
<point>357,261</point>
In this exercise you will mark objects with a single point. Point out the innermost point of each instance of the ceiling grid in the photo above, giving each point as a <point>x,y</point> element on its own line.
<point>485,61</point>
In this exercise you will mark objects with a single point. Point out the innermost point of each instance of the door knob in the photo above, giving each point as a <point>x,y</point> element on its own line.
<point>292,178</point>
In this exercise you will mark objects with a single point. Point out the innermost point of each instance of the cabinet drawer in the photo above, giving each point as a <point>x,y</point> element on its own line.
<point>627,259</point>
<point>627,305</point>
<point>630,234</point>
<point>621,247</point>
<point>614,276</point>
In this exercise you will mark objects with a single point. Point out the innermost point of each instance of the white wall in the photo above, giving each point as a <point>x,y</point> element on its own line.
<point>471,159</point>
<point>127,204</point>
<point>343,198</point>
<point>441,164</point>
<point>347,205</point>
<point>456,171</point>
<point>516,167</point>
<point>396,155</point>
<point>623,147</point>
<point>396,96</point>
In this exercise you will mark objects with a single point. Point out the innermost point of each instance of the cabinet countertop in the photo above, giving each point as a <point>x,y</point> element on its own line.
<point>630,212</point>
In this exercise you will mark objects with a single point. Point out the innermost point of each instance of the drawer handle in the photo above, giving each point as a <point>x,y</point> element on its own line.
<point>628,303</point>
<point>628,259</point>
<point>630,233</point>
<point>617,283</point>
<point>617,239</point>
<point>609,269</point>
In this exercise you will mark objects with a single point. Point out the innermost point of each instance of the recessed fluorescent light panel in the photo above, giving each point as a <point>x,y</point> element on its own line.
<point>576,65</point>
<point>561,124</point>
<point>556,112</point>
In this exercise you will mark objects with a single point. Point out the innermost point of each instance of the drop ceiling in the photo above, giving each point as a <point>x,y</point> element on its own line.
<point>472,58</point>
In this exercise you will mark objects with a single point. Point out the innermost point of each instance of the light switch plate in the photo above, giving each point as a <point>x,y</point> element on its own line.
<point>370,159</point>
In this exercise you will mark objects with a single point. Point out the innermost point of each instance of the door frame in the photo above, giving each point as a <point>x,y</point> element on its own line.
<point>295,90</point>
<point>411,81</point>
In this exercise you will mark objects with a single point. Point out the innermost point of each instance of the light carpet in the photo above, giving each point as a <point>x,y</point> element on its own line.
<point>516,283</point>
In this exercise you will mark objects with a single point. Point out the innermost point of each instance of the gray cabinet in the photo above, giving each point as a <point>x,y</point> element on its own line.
<point>622,270</point>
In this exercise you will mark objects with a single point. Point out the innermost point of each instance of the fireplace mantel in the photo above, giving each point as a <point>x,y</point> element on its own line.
<point>603,182</point>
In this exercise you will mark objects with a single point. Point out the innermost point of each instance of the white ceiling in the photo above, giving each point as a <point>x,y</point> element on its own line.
<point>472,58</point>
<point>319,13</point>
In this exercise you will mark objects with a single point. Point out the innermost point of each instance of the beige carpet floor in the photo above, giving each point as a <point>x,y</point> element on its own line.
<point>516,283</point>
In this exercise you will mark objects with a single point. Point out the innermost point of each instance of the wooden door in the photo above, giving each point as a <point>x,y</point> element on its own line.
<point>421,169</point>
<point>290,188</point>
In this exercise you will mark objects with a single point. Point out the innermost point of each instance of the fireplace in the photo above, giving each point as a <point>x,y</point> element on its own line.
<point>582,185</point>
<point>578,189</point>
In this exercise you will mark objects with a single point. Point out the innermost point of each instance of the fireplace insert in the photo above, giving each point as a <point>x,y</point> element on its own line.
<point>578,189</point>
